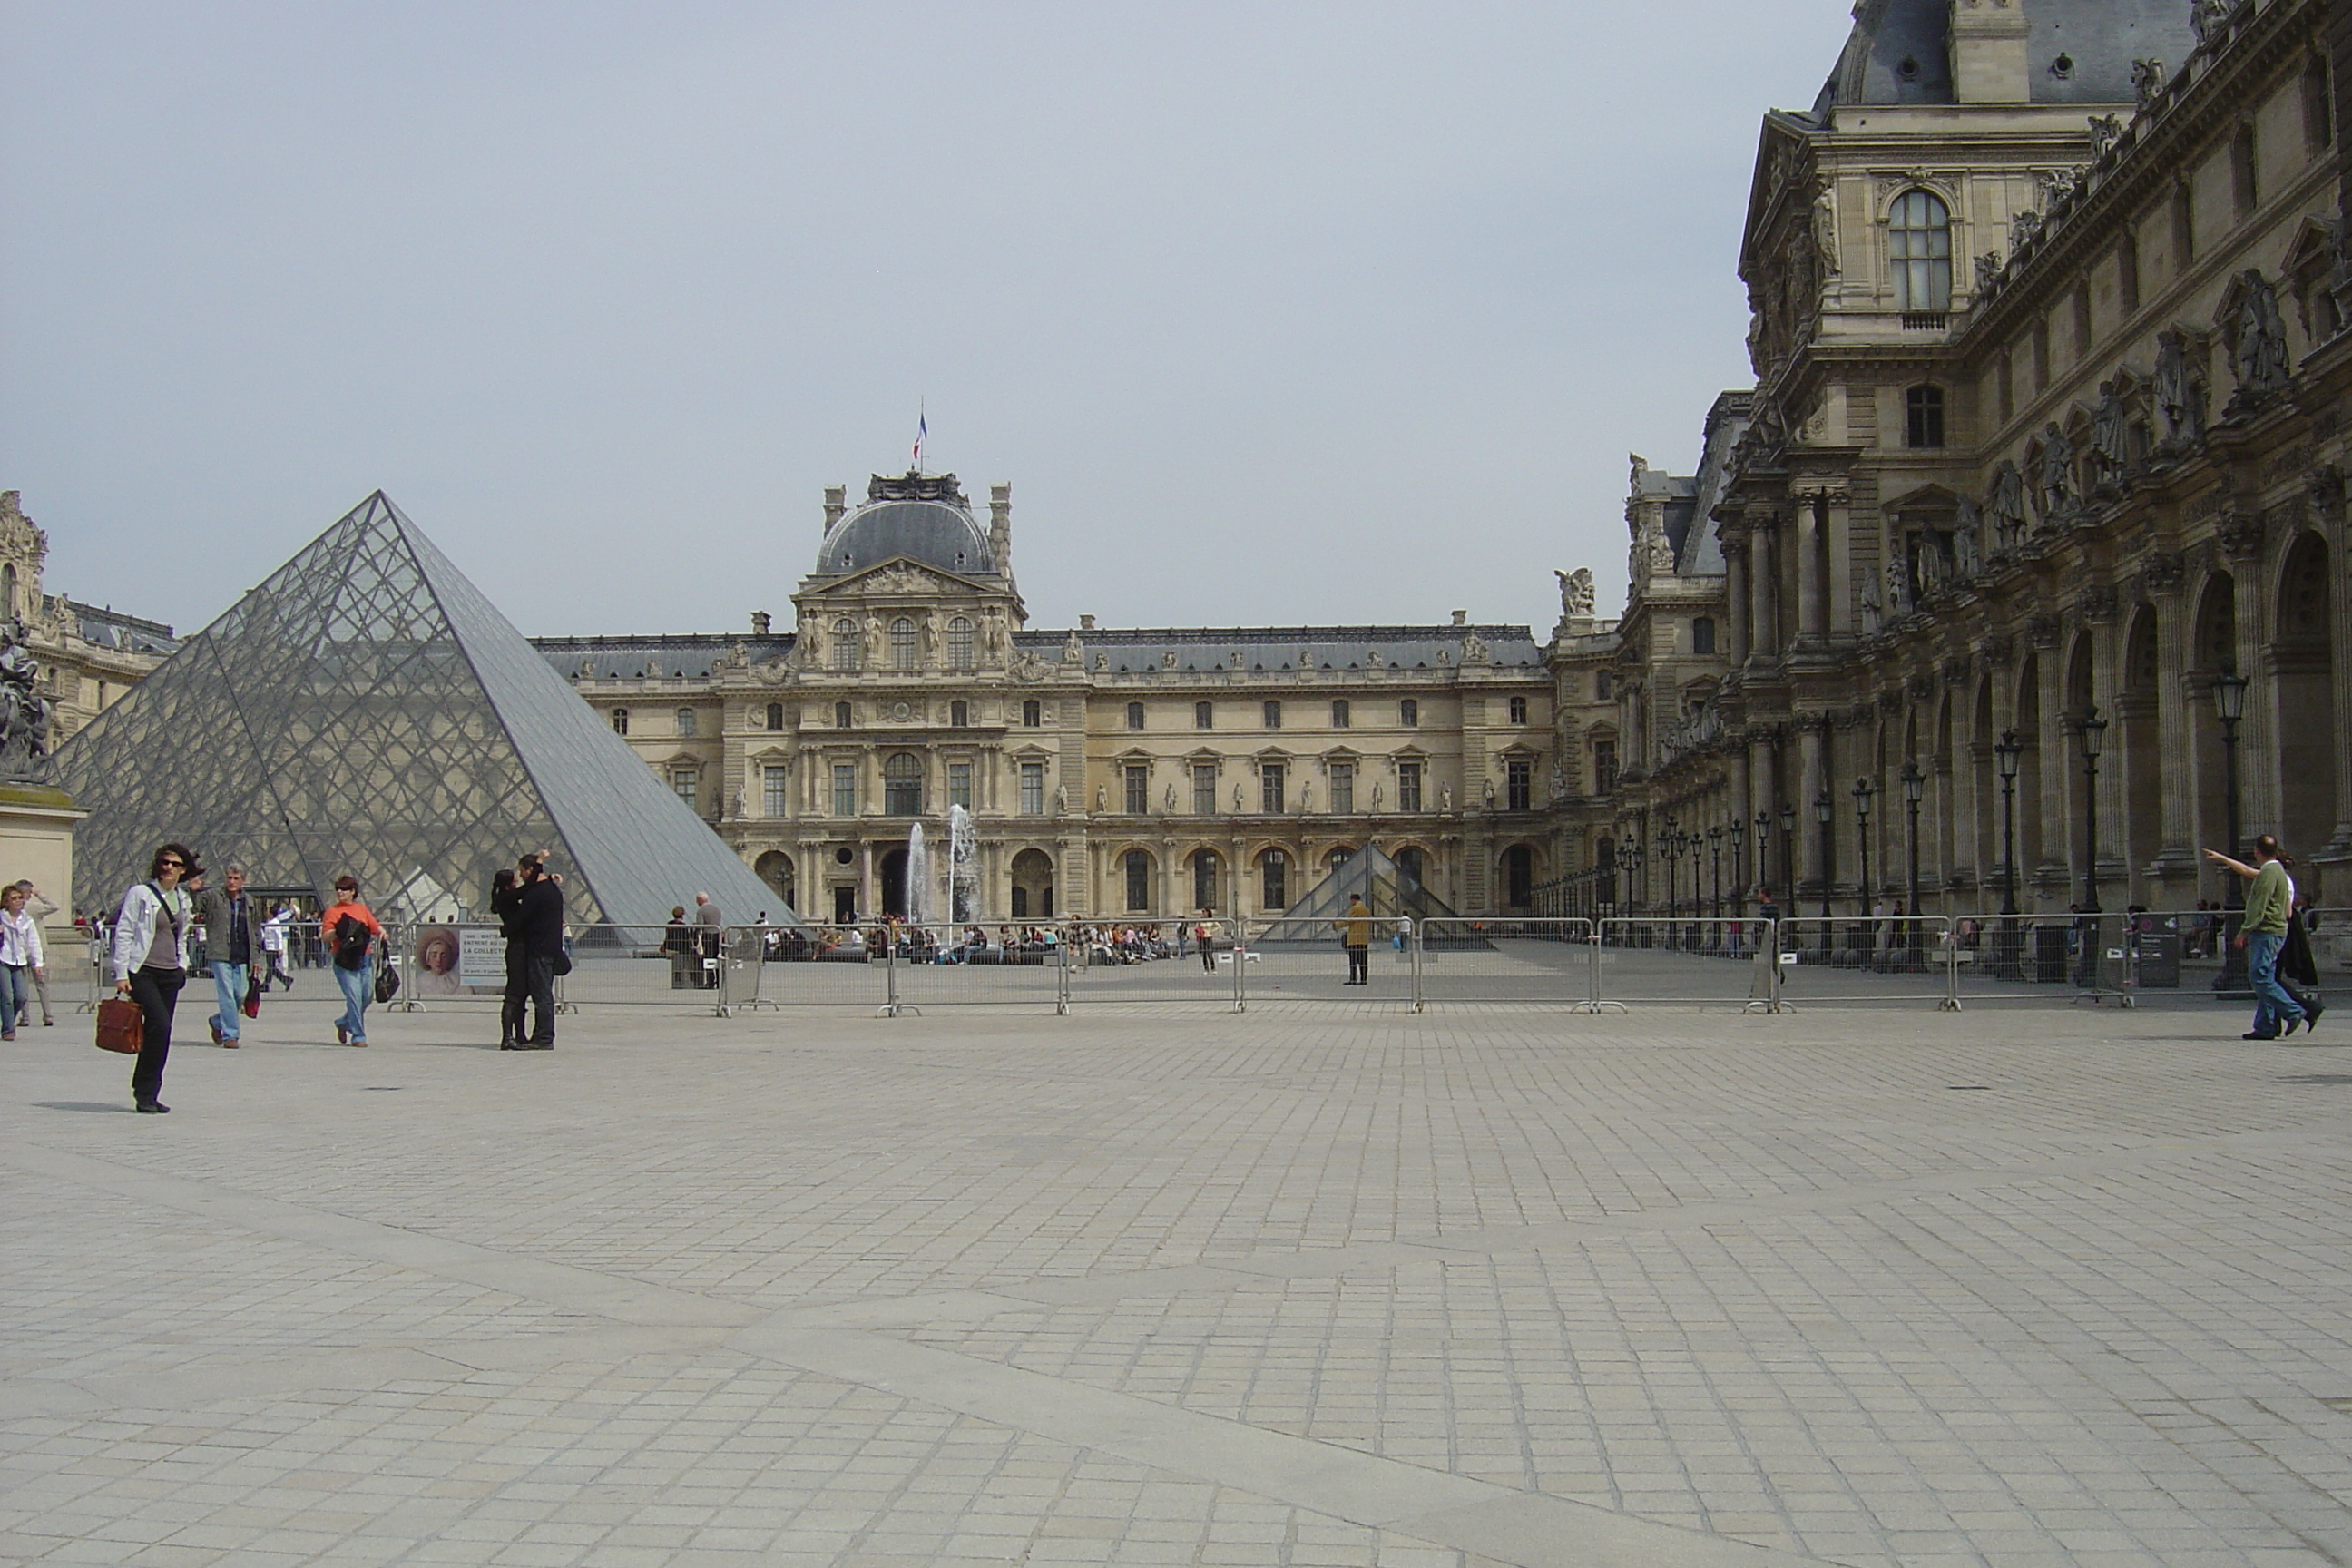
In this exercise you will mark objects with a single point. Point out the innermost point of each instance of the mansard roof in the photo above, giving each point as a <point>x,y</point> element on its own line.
<point>1200,649</point>
<point>2098,39</point>
<point>690,657</point>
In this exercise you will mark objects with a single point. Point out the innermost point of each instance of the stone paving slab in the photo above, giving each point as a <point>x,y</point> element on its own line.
<point>1319,1285</point>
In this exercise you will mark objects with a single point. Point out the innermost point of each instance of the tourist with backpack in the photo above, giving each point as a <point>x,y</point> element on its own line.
<point>150,958</point>
<point>351,931</point>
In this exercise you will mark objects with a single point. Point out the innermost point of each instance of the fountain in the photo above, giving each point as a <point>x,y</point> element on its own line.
<point>918,875</point>
<point>963,866</point>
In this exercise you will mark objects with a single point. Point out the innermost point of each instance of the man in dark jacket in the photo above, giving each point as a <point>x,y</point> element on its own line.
<point>232,925</point>
<point>534,925</point>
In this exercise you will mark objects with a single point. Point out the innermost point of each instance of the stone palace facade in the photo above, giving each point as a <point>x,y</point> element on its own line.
<point>2042,479</point>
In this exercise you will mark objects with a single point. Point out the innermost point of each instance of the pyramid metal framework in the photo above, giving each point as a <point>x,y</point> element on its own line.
<point>366,709</point>
<point>1387,891</point>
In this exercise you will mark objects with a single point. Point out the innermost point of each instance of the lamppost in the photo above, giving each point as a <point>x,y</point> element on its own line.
<point>1822,813</point>
<point>1914,790</point>
<point>1632,856</point>
<point>1738,831</point>
<point>2229,707</point>
<point>2094,732</point>
<point>1715,866</point>
<point>2006,753</point>
<point>1787,853</point>
<point>1863,790</point>
<point>1667,853</point>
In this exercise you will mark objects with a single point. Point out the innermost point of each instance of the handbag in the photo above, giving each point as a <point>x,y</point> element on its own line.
<point>252,1004</point>
<point>121,1026</point>
<point>562,962</point>
<point>387,981</point>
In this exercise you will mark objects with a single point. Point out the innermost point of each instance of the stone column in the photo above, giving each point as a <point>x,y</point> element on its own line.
<point>1735,592</point>
<point>867,905</point>
<point>2243,539</point>
<point>2055,758</point>
<point>2164,578</point>
<point>1813,776</point>
<point>1738,805</point>
<point>1811,619</point>
<point>1763,583</point>
<point>1835,615</point>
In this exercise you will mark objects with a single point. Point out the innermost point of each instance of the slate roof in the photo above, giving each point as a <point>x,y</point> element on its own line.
<point>2099,38</point>
<point>1132,650</point>
<point>127,633</point>
<point>688,657</point>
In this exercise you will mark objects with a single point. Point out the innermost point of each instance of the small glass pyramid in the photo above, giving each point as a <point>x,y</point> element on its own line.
<point>366,709</point>
<point>1387,891</point>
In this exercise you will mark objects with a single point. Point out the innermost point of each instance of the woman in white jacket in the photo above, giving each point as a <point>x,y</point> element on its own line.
<point>20,958</point>
<point>151,963</point>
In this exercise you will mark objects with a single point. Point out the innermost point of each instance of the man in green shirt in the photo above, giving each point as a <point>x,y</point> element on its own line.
<point>2270,904</point>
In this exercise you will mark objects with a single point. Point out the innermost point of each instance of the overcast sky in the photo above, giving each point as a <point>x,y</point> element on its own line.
<point>1271,313</point>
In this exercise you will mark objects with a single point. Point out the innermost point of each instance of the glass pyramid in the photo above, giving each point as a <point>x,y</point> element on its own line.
<point>1386,889</point>
<point>366,709</point>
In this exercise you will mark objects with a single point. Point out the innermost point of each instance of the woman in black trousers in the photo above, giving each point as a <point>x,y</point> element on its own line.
<point>151,963</point>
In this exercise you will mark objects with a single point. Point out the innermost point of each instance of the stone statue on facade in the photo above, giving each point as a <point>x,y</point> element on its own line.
<point>1167,801</point>
<point>1873,603</point>
<point>1074,652</point>
<point>1902,578</point>
<point>1306,795</point>
<point>26,716</point>
<point>1061,800</point>
<point>2258,356</point>
<point>2147,82</point>
<point>1826,235</point>
<point>2024,228</point>
<point>2178,399</point>
<point>874,645</point>
<point>2106,129</point>
<point>1102,798</point>
<point>1445,798</point>
<point>1968,552</point>
<point>2110,437</point>
<point>1474,649</point>
<point>1376,797</point>
<point>2056,480</point>
<point>2005,504</point>
<point>1988,271</point>
<point>1928,564</point>
<point>1237,800</point>
<point>2210,18</point>
<point>1576,594</point>
<point>1486,794</point>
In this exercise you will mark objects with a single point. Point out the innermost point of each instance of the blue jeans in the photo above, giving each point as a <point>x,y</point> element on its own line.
<point>228,990</point>
<point>2274,1008</point>
<point>15,999</point>
<point>359,990</point>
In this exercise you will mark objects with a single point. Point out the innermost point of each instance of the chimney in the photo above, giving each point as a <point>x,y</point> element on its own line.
<point>1461,617</point>
<point>835,503</point>
<point>1085,623</point>
<point>1000,528</point>
<point>759,623</point>
<point>1988,52</point>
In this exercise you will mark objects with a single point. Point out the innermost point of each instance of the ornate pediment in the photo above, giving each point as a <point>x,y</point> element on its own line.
<point>902,576</point>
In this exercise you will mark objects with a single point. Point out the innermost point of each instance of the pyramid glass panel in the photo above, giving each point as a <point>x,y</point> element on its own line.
<point>366,709</point>
<point>1387,891</point>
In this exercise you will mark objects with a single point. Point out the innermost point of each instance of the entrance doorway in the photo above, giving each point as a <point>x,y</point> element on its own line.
<point>845,905</point>
<point>894,883</point>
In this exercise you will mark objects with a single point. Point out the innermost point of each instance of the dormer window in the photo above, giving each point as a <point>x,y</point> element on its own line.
<point>1919,252</point>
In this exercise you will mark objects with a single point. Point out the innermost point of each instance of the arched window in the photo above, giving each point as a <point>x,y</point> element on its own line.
<point>841,715</point>
<point>1919,252</point>
<point>1409,713</point>
<point>1518,710</point>
<point>902,644</point>
<point>1033,714</point>
<point>1138,880</point>
<point>1340,713</point>
<point>1409,864</point>
<point>844,644</point>
<point>1204,715</point>
<point>1205,878</point>
<point>686,720</point>
<point>958,714</point>
<point>1274,880</point>
<point>9,589</point>
<point>1273,714</point>
<point>620,721</point>
<point>1703,634</point>
<point>775,715</point>
<point>1923,417</point>
<point>902,785</point>
<point>960,644</point>
<point>1135,715</point>
<point>1339,857</point>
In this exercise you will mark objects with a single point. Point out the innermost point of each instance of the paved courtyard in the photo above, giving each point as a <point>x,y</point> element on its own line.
<point>1315,1285</point>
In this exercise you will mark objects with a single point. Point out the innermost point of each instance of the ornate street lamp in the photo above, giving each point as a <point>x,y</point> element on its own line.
<point>1862,791</point>
<point>1715,865</point>
<point>1788,853</point>
<point>2006,753</point>
<point>2093,731</point>
<point>1738,831</point>
<point>2229,707</point>
<point>1668,852</point>
<point>1914,790</point>
<point>1822,813</point>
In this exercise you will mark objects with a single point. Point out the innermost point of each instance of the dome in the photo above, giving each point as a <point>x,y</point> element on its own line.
<point>922,519</point>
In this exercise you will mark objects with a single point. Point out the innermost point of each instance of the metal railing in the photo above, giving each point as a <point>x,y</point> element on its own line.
<point>1868,959</point>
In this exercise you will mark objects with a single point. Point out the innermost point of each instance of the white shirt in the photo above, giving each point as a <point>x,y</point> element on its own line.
<point>20,941</point>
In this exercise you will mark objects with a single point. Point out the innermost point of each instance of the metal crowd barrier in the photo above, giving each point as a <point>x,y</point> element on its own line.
<point>1657,958</point>
<point>1551,962</point>
<point>1868,958</point>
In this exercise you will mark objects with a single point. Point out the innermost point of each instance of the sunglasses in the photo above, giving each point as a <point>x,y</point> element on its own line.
<point>182,864</point>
